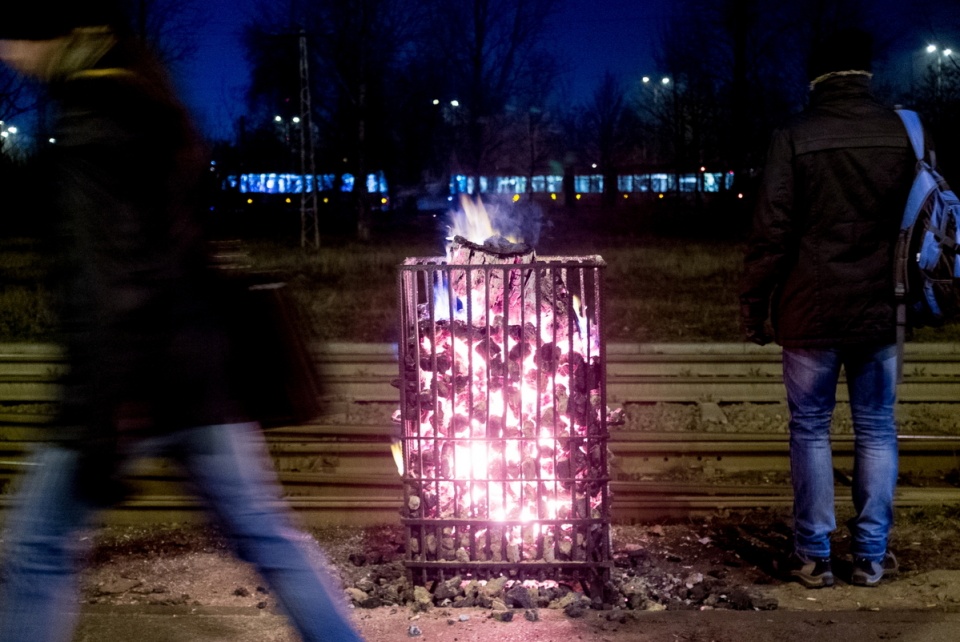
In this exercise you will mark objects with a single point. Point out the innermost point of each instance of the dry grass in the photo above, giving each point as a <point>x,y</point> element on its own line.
<point>657,289</point>
<point>672,291</point>
<point>25,306</point>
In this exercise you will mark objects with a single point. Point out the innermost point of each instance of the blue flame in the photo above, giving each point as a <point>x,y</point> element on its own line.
<point>441,299</point>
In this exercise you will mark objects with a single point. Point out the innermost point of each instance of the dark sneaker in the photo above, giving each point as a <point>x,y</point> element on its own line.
<point>868,573</point>
<point>812,573</point>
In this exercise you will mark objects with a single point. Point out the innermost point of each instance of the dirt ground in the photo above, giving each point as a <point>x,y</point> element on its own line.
<point>721,565</point>
<point>723,562</point>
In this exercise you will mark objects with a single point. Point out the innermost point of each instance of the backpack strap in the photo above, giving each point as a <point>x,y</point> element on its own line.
<point>925,182</point>
<point>911,120</point>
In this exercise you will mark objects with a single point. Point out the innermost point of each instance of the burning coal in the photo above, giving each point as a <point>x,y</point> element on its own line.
<point>502,409</point>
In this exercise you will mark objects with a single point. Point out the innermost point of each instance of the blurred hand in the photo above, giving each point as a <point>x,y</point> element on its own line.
<point>757,333</point>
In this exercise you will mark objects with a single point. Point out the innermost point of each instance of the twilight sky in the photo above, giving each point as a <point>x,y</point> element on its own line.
<point>593,35</point>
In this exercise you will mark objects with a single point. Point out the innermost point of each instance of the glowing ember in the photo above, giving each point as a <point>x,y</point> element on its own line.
<point>503,411</point>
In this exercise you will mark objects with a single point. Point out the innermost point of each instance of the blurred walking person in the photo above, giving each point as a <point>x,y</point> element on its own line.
<point>149,344</point>
<point>820,264</point>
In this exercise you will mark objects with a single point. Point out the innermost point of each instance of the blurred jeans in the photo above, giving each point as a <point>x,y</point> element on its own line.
<point>810,377</point>
<point>231,471</point>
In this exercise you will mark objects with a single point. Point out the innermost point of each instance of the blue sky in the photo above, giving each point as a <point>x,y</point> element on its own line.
<point>213,84</point>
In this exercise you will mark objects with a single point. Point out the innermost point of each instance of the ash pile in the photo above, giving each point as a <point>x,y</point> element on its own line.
<point>641,580</point>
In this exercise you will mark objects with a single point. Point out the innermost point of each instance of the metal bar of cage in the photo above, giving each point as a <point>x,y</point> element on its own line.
<point>465,536</point>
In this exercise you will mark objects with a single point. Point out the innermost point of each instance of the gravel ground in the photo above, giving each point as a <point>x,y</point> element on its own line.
<point>764,418</point>
<point>724,561</point>
<point>772,418</point>
<point>721,562</point>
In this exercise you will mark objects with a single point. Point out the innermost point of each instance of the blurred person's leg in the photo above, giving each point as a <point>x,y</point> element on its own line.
<point>232,470</point>
<point>810,378</point>
<point>871,381</point>
<point>38,598</point>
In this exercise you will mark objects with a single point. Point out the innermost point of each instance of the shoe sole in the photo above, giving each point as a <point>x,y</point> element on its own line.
<point>822,581</point>
<point>865,581</point>
<point>870,583</point>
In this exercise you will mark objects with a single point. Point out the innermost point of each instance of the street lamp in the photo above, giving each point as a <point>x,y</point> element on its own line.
<point>946,52</point>
<point>7,138</point>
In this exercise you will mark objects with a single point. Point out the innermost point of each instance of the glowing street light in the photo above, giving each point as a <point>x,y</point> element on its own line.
<point>946,52</point>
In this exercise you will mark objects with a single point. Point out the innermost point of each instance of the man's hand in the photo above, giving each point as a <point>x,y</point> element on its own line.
<point>757,333</point>
<point>753,321</point>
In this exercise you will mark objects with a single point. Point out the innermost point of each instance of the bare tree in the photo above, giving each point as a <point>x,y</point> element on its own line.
<point>170,28</point>
<point>736,69</point>
<point>363,46</point>
<point>17,99</point>
<point>493,56</point>
<point>609,128</point>
<point>358,49</point>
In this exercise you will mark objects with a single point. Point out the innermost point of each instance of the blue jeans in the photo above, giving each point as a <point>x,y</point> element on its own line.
<point>811,377</point>
<point>232,473</point>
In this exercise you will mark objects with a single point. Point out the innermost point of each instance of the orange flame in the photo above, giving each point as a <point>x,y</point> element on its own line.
<point>474,223</point>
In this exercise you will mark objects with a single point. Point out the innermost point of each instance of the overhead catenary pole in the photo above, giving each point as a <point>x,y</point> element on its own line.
<point>308,192</point>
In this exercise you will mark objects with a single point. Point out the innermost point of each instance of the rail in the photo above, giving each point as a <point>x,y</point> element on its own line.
<point>335,472</point>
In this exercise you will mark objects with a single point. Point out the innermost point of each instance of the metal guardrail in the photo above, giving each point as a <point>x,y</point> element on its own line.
<point>339,473</point>
<point>635,373</point>
<point>660,372</point>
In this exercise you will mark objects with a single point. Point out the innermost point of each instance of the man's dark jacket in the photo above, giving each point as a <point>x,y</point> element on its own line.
<point>820,257</point>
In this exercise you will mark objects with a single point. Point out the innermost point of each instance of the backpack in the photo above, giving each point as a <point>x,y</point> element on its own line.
<point>926,262</point>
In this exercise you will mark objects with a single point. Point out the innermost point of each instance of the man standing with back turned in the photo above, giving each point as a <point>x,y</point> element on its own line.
<point>820,261</point>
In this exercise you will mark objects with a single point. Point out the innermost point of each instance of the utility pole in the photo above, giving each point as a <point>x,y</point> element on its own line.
<point>308,192</point>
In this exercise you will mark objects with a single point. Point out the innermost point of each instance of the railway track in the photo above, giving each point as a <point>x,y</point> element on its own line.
<point>337,472</point>
<point>635,373</point>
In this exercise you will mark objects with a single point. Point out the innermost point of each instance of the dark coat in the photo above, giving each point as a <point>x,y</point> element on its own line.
<point>146,338</point>
<point>820,257</point>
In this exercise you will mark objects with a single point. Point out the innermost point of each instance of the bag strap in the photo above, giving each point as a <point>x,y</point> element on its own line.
<point>911,120</point>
